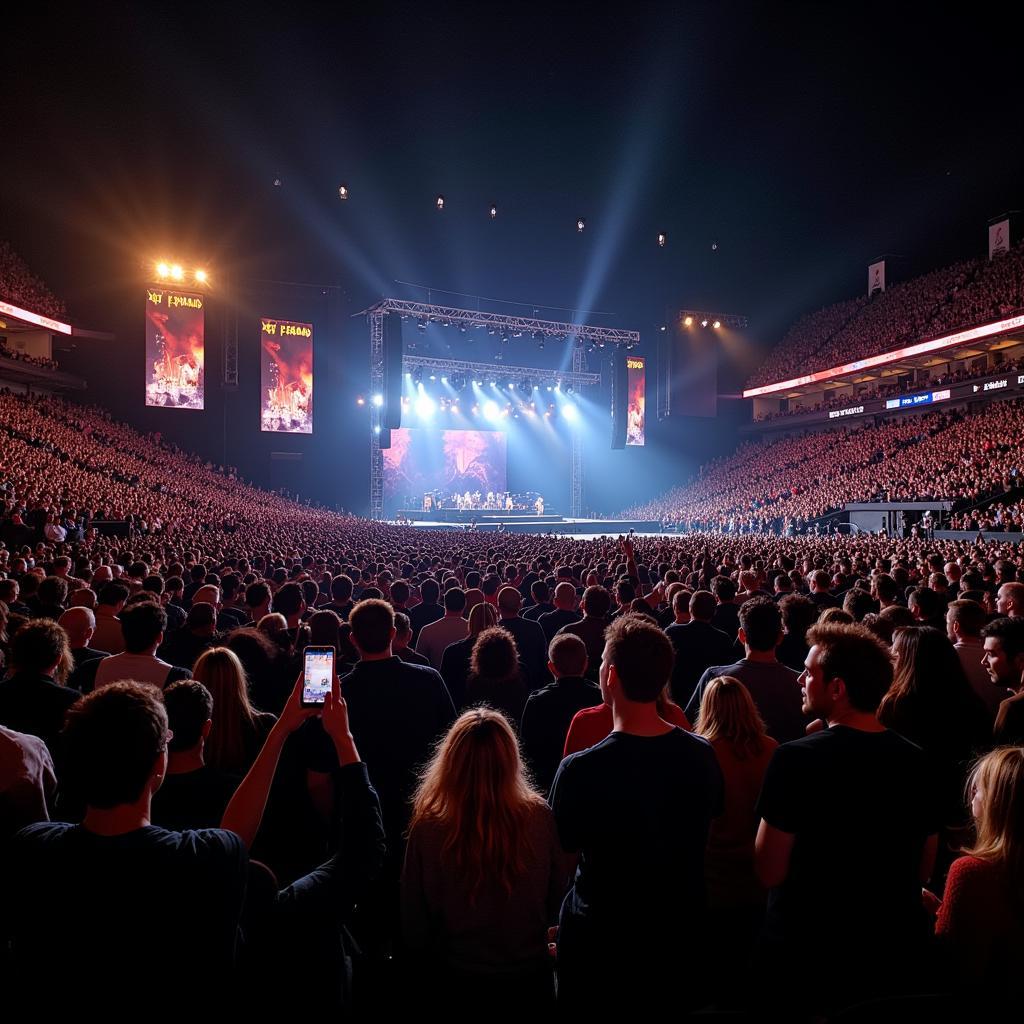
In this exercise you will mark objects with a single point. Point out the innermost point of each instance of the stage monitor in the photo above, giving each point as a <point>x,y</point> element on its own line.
<point>174,348</point>
<point>448,462</point>
<point>286,376</point>
<point>636,400</point>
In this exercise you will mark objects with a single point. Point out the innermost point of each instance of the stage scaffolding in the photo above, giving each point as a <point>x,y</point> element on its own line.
<point>511,327</point>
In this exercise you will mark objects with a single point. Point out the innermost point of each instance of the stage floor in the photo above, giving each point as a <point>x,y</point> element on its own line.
<point>550,525</point>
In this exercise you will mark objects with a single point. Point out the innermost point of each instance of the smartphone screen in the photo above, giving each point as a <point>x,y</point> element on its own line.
<point>318,667</point>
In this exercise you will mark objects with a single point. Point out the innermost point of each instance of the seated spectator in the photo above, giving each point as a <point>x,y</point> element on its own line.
<point>50,599</point>
<point>80,624</point>
<point>981,922</point>
<point>116,747</point>
<point>28,785</point>
<point>773,686</point>
<point>194,794</point>
<point>484,875</point>
<point>142,626</point>
<point>1009,600</point>
<point>550,710</point>
<point>826,800</point>
<point>644,795</point>
<point>496,677</point>
<point>239,729</point>
<point>33,698</point>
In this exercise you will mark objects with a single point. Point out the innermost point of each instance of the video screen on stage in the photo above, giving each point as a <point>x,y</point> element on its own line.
<point>636,399</point>
<point>174,348</point>
<point>286,376</point>
<point>446,461</point>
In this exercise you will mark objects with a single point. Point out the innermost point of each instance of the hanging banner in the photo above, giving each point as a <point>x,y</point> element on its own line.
<point>876,277</point>
<point>174,348</point>
<point>636,400</point>
<point>286,376</point>
<point>998,238</point>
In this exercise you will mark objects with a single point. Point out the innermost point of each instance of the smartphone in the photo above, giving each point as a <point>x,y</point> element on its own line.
<point>317,669</point>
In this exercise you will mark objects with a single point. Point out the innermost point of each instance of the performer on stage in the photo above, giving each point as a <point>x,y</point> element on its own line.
<point>539,505</point>
<point>508,502</point>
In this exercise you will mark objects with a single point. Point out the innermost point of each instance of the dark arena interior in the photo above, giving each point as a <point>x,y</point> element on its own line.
<point>502,506</point>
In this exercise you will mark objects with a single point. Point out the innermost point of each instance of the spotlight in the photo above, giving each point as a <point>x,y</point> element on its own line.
<point>494,210</point>
<point>360,400</point>
<point>714,247</point>
<point>580,225</point>
<point>491,330</point>
<point>277,183</point>
<point>440,202</point>
<point>717,324</point>
<point>663,328</point>
<point>444,380</point>
<point>549,387</point>
<point>540,344</point>
<point>343,191</point>
<point>162,270</point>
<point>571,413</point>
<point>378,400</point>
<point>558,385</point>
<point>376,429</point>
<point>703,323</point>
<point>417,375</point>
<point>200,276</point>
<point>662,239</point>
<point>422,325</point>
<point>177,273</point>
<point>425,407</point>
<point>433,376</point>
<point>494,383</point>
<point>568,389</point>
<point>688,321</point>
<point>491,410</point>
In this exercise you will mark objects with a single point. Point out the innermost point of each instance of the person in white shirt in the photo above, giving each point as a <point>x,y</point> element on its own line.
<point>436,636</point>
<point>143,625</point>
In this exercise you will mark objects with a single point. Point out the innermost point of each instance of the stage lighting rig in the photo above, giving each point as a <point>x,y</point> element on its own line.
<point>343,191</point>
<point>494,210</point>
<point>706,318</point>
<point>580,225</point>
<point>662,239</point>
<point>439,202</point>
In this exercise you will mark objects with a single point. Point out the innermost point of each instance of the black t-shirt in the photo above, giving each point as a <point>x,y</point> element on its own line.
<point>193,799</point>
<point>860,805</point>
<point>129,910</point>
<point>638,810</point>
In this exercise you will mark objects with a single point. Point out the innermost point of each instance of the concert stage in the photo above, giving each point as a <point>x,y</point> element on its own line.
<point>488,521</point>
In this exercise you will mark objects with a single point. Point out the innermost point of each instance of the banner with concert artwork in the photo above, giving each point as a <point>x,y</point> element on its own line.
<point>998,238</point>
<point>174,348</point>
<point>636,400</point>
<point>286,376</point>
<point>876,277</point>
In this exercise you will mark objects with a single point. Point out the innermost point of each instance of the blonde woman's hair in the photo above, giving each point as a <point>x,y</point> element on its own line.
<point>999,775</point>
<point>728,712</point>
<point>476,788</point>
<point>220,671</point>
<point>481,617</point>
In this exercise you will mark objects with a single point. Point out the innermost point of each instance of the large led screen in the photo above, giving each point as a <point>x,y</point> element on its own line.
<point>286,376</point>
<point>636,399</point>
<point>446,461</point>
<point>174,348</point>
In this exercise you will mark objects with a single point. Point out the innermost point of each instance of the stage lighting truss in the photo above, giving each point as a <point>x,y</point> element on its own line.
<point>714,321</point>
<point>508,378</point>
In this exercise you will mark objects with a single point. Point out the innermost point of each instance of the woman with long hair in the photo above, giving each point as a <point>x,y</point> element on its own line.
<point>980,922</point>
<point>266,667</point>
<point>931,703</point>
<point>456,657</point>
<point>495,676</point>
<point>238,729</point>
<point>731,723</point>
<point>484,872</point>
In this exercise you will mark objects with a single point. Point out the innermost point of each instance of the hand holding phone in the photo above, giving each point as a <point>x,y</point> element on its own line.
<point>317,672</point>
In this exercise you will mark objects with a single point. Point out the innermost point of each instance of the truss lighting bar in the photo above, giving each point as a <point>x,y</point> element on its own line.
<point>726,319</point>
<point>489,371</point>
<point>524,324</point>
<point>921,348</point>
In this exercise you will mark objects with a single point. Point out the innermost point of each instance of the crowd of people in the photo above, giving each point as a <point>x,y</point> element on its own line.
<point>21,287</point>
<point>963,457</point>
<point>547,769</point>
<point>959,296</point>
<point>25,357</point>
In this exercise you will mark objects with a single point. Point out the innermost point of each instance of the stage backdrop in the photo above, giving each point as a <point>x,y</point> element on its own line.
<point>636,399</point>
<point>174,348</point>
<point>286,376</point>
<point>449,461</point>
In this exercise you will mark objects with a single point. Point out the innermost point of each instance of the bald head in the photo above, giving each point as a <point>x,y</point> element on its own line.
<point>104,574</point>
<point>79,624</point>
<point>509,602</point>
<point>565,597</point>
<point>82,598</point>
<point>208,594</point>
<point>1010,600</point>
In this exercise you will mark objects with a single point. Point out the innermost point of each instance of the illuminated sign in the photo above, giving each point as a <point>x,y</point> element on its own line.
<point>35,318</point>
<point>636,400</point>
<point>910,401</point>
<point>175,349</point>
<point>286,376</point>
<point>852,411</point>
<point>946,341</point>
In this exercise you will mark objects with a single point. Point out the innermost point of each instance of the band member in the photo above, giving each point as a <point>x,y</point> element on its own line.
<point>508,502</point>
<point>539,505</point>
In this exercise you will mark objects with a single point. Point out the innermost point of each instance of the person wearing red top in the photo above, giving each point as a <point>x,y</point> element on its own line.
<point>591,725</point>
<point>980,922</point>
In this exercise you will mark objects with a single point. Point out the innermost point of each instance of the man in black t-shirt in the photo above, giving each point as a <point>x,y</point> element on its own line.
<point>1003,659</point>
<point>125,896</point>
<point>848,811</point>
<point>636,809</point>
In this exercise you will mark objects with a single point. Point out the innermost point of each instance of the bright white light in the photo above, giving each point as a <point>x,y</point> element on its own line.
<point>491,411</point>
<point>378,400</point>
<point>571,413</point>
<point>162,270</point>
<point>376,429</point>
<point>444,380</point>
<point>201,276</point>
<point>177,273</point>
<point>425,407</point>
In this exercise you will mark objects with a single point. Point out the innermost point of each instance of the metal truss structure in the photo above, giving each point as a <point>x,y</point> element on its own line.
<point>726,319</point>
<point>509,326</point>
